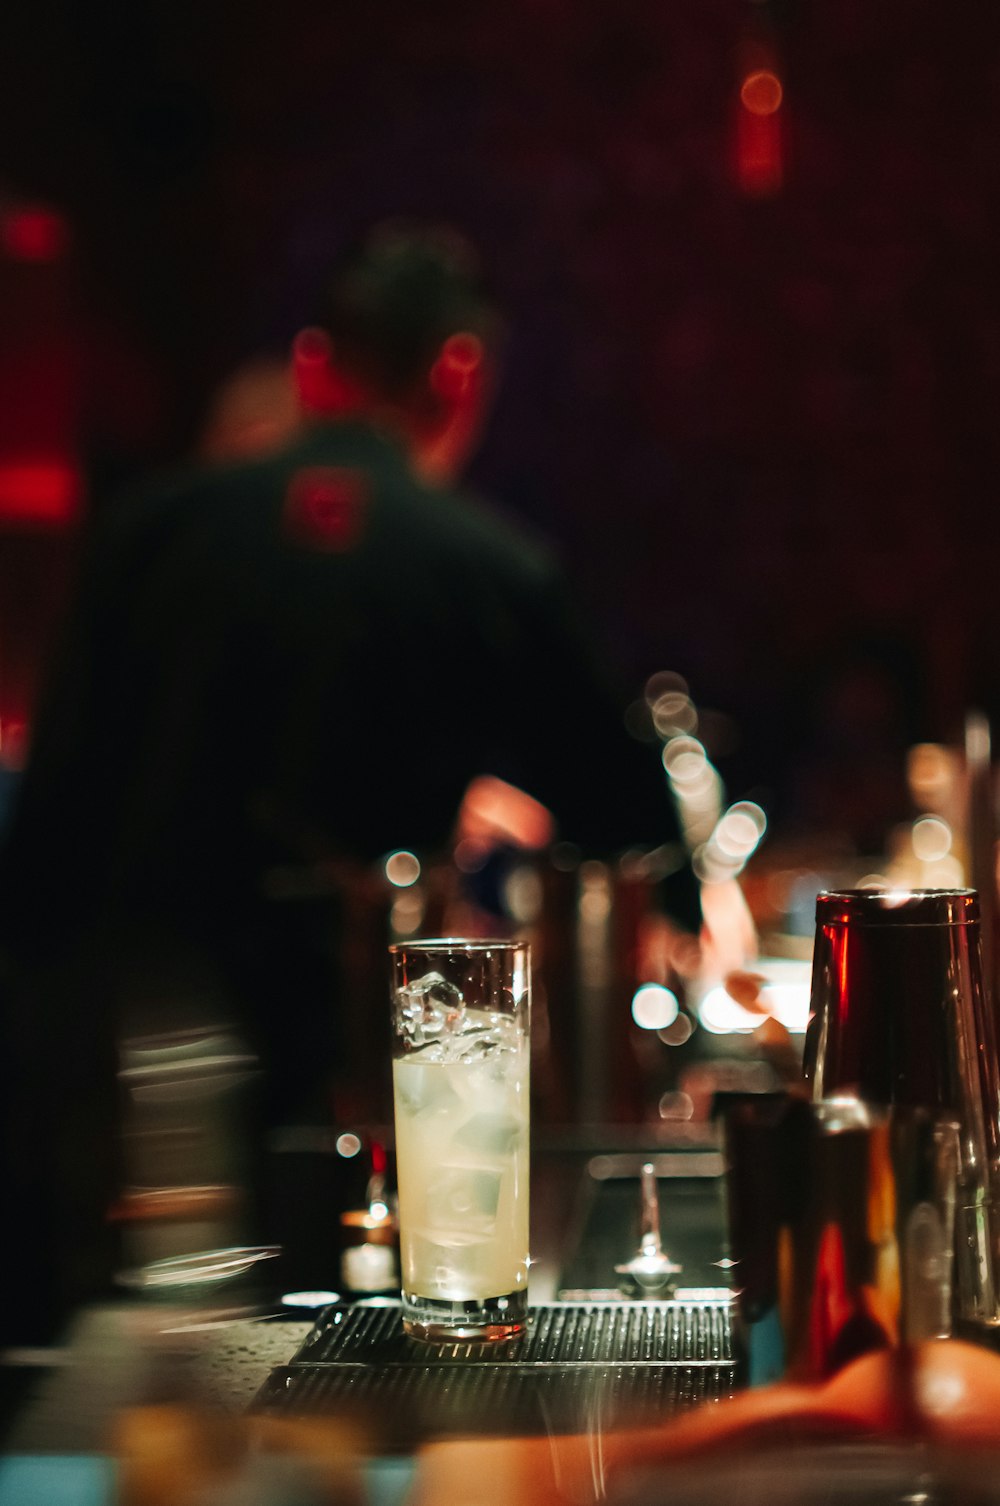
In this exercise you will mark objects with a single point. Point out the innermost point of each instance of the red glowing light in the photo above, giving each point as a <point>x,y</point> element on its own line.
<point>460,359</point>
<point>761,92</point>
<point>311,347</point>
<point>13,742</point>
<point>33,232</point>
<point>45,492</point>
<point>464,352</point>
<point>325,508</point>
<point>320,383</point>
<point>759,153</point>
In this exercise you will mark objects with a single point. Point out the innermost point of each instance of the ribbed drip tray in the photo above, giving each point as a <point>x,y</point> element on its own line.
<point>579,1365</point>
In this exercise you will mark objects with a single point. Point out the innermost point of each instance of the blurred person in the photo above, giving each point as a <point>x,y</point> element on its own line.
<point>254,411</point>
<point>294,662</point>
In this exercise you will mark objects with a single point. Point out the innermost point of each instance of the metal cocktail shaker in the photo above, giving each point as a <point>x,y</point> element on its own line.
<point>841,1221</point>
<point>899,1016</point>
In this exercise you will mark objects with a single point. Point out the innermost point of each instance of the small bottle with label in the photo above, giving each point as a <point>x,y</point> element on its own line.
<point>369,1260</point>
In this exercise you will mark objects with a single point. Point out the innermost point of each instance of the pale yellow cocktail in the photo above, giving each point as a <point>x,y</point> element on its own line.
<point>461,1093</point>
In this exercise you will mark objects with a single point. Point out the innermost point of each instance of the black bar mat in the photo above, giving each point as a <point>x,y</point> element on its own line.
<point>579,1366</point>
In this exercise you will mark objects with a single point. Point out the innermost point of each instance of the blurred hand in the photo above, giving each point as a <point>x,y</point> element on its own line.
<point>665,953</point>
<point>728,936</point>
<point>727,943</point>
<point>494,813</point>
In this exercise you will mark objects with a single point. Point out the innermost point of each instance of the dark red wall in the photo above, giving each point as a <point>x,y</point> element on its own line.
<point>763,430</point>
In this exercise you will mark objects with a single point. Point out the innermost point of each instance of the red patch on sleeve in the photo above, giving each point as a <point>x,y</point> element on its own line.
<point>325,508</point>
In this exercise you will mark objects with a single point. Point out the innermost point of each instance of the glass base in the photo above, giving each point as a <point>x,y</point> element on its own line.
<point>475,1322</point>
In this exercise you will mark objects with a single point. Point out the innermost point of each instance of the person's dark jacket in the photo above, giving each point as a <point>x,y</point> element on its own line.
<point>272,665</point>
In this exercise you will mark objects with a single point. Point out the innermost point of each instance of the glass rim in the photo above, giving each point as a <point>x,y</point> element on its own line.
<point>459,944</point>
<point>889,905</point>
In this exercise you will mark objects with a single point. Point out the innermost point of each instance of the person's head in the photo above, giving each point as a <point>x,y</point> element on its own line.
<point>406,332</point>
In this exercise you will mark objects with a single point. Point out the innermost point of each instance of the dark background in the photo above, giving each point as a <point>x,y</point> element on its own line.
<point>761,428</point>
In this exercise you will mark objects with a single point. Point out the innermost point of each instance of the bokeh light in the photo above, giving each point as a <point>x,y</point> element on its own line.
<point>674,713</point>
<point>402,869</point>
<point>407,912</point>
<point>654,1007</point>
<point>932,839</point>
<point>309,1299</point>
<point>784,997</point>
<point>761,92</point>
<point>685,761</point>
<point>664,682</point>
<point>721,1015</point>
<point>33,232</point>
<point>679,1032</point>
<point>676,1105</point>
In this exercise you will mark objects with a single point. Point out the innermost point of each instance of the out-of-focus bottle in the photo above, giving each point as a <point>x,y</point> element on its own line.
<point>369,1259</point>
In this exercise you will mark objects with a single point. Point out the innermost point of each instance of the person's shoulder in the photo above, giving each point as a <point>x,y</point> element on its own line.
<point>479,527</point>
<point>192,483</point>
<point>193,493</point>
<point>163,496</point>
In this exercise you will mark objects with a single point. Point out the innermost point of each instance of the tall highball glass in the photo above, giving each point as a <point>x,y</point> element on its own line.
<point>461,1017</point>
